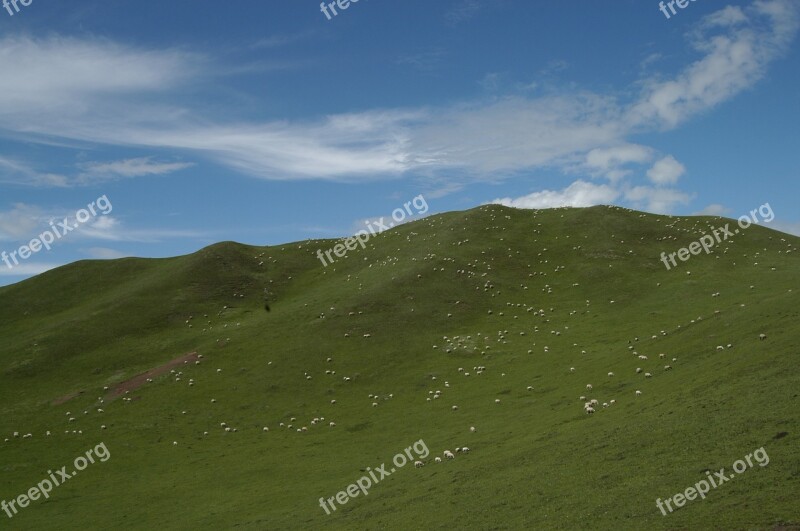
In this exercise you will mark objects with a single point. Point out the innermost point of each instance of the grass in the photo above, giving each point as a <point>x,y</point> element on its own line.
<point>536,461</point>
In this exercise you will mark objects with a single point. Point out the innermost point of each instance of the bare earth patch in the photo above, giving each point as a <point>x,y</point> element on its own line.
<point>141,379</point>
<point>66,398</point>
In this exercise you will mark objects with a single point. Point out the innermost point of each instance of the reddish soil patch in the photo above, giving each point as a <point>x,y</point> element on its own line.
<point>66,398</point>
<point>141,379</point>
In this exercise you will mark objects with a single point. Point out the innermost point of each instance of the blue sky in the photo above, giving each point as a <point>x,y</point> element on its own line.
<point>265,122</point>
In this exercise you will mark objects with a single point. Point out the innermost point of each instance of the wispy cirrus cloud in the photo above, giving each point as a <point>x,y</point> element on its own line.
<point>93,172</point>
<point>462,11</point>
<point>82,92</point>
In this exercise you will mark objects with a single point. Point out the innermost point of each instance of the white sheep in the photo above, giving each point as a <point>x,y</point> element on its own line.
<point>449,455</point>
<point>589,387</point>
<point>638,393</point>
<point>418,464</point>
<point>437,459</point>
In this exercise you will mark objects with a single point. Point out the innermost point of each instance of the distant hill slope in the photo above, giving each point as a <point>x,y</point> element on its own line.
<point>526,294</point>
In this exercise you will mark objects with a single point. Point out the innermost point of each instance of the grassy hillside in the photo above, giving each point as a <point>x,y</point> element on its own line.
<point>526,294</point>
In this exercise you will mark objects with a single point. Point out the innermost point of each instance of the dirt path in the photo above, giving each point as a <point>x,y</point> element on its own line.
<point>141,379</point>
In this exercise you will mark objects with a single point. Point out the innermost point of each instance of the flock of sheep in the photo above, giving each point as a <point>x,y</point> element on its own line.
<point>479,272</point>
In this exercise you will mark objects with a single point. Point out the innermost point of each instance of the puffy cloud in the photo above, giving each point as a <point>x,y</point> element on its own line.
<point>19,222</point>
<point>577,194</point>
<point>658,200</point>
<point>608,161</point>
<point>712,210</point>
<point>666,171</point>
<point>104,253</point>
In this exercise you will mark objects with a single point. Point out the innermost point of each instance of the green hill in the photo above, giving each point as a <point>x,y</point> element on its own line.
<point>526,294</point>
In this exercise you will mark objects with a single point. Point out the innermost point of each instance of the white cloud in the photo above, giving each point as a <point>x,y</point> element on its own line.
<point>19,222</point>
<point>608,161</point>
<point>787,227</point>
<point>15,172</point>
<point>666,171</point>
<point>104,253</point>
<point>25,269</point>
<point>578,194</point>
<point>463,11</point>
<point>106,93</point>
<point>69,75</point>
<point>658,200</point>
<point>732,62</point>
<point>713,210</point>
<point>106,171</point>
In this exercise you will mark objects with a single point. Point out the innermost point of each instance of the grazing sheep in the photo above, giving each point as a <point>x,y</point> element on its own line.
<point>589,387</point>
<point>648,375</point>
<point>667,367</point>
<point>638,370</point>
<point>610,374</point>
<point>589,410</point>
<point>638,393</point>
<point>762,337</point>
<point>437,459</point>
<point>449,455</point>
<point>465,450</point>
<point>472,429</point>
<point>418,464</point>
